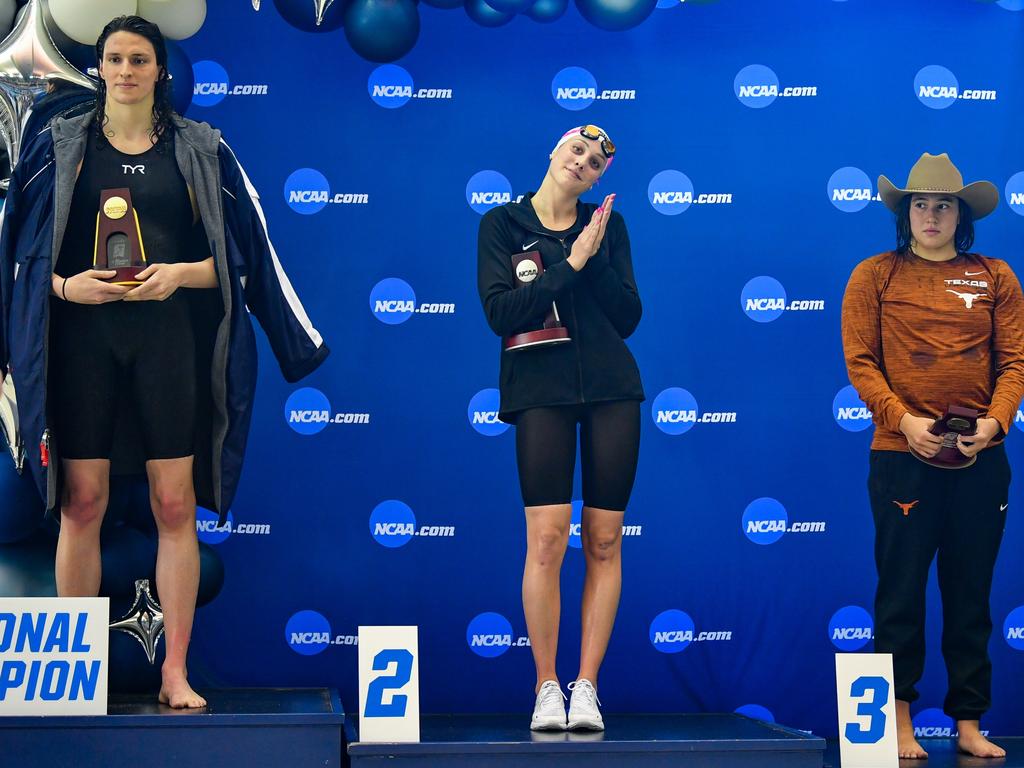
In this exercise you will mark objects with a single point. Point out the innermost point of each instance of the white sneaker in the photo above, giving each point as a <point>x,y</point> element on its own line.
<point>549,710</point>
<point>583,711</point>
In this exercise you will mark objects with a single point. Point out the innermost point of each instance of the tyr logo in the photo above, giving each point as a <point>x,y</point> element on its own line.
<point>133,169</point>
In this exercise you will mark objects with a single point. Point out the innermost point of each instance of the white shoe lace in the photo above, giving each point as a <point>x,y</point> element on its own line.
<point>584,689</point>
<point>548,697</point>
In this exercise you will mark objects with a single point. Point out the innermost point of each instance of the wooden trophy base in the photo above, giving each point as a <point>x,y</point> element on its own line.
<point>543,337</point>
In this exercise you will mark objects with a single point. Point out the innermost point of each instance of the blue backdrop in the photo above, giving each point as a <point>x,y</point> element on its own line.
<point>404,508</point>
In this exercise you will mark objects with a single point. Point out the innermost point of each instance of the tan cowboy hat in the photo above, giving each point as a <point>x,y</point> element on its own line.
<point>936,173</point>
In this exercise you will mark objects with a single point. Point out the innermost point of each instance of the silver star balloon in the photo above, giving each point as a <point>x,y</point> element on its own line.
<point>144,621</point>
<point>321,6</point>
<point>29,63</point>
<point>255,5</point>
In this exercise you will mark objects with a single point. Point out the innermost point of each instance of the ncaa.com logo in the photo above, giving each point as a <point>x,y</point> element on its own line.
<point>308,411</point>
<point>933,723</point>
<point>307,192</point>
<point>391,86</point>
<point>574,88</point>
<point>483,413</point>
<point>671,192</point>
<point>1015,193</point>
<point>765,521</point>
<point>1013,628</point>
<point>763,299</point>
<point>212,85</point>
<point>849,410</point>
<point>576,527</point>
<point>757,86</point>
<point>673,630</point>
<point>490,635</point>
<point>309,633</point>
<point>393,525</point>
<point>488,189</point>
<point>849,189</point>
<point>938,88</point>
<point>210,531</point>
<point>393,301</point>
<point>675,411</point>
<point>851,628</point>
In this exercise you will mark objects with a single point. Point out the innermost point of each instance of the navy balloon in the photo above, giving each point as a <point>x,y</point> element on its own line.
<point>211,574</point>
<point>615,15</point>
<point>382,30</point>
<point>548,10</point>
<point>485,15</point>
<point>183,81</point>
<point>26,568</point>
<point>127,555</point>
<point>510,6</point>
<point>300,14</point>
<point>446,4</point>
<point>21,507</point>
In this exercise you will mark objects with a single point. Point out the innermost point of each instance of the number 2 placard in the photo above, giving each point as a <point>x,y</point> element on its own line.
<point>867,710</point>
<point>389,684</point>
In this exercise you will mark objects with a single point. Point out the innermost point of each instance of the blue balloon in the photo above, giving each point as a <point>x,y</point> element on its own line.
<point>485,15</point>
<point>26,568</point>
<point>300,14</point>
<point>21,511</point>
<point>446,4</point>
<point>615,15</point>
<point>382,30</point>
<point>510,6</point>
<point>182,79</point>
<point>127,555</point>
<point>548,10</point>
<point>211,574</point>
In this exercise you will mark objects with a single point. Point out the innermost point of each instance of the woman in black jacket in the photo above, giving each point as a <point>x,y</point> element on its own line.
<point>589,381</point>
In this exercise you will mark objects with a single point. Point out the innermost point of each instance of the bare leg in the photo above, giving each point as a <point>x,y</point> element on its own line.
<point>973,743</point>
<point>547,535</point>
<point>177,571</point>
<point>84,502</point>
<point>908,746</point>
<point>602,546</point>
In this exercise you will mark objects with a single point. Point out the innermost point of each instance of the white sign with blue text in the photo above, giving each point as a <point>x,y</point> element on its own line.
<point>53,655</point>
<point>867,710</point>
<point>389,684</point>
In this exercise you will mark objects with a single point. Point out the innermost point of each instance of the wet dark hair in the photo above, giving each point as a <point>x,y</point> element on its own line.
<point>963,238</point>
<point>163,110</point>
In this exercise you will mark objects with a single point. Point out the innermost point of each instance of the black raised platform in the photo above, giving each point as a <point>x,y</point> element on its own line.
<point>942,754</point>
<point>247,728</point>
<point>636,741</point>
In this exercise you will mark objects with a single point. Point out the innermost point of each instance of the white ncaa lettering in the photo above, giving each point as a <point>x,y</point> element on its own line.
<point>490,198</point>
<point>1015,633</point>
<point>526,271</point>
<point>485,417</point>
<point>852,633</point>
<point>853,412</point>
<point>968,297</point>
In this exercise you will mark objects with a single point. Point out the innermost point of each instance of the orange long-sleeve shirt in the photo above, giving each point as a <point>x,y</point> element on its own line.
<point>922,335</point>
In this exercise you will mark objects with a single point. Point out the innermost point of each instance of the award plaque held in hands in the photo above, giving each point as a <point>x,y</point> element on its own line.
<point>527,267</point>
<point>955,422</point>
<point>119,238</point>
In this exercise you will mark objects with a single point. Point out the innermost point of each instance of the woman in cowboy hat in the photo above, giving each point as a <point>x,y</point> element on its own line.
<point>927,326</point>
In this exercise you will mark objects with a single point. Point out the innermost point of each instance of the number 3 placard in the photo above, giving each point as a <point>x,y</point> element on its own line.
<point>867,710</point>
<point>389,684</point>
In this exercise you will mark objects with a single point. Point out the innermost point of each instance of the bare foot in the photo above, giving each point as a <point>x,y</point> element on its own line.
<point>177,693</point>
<point>972,742</point>
<point>909,749</point>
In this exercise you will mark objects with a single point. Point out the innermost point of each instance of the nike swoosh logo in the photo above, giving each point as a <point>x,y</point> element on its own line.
<point>972,274</point>
<point>531,244</point>
<point>1002,507</point>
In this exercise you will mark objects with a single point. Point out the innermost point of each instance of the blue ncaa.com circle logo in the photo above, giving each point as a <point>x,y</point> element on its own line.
<point>306,191</point>
<point>308,633</point>
<point>486,190</point>
<point>670,192</point>
<point>933,722</point>
<point>574,88</point>
<point>765,520</point>
<point>575,523</point>
<point>849,189</point>
<point>851,628</point>
<point>489,635</point>
<point>392,301</point>
<point>849,410</point>
<point>483,413</point>
<point>936,87</point>
<point>1015,192</point>
<point>208,527</point>
<point>392,524</point>
<point>1013,628</point>
<point>671,631</point>
<point>211,83</point>
<point>307,411</point>
<point>763,299</point>
<point>756,711</point>
<point>674,411</point>
<point>756,86</point>
<point>390,86</point>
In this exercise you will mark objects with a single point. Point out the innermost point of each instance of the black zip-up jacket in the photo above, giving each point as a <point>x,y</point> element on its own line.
<point>599,305</point>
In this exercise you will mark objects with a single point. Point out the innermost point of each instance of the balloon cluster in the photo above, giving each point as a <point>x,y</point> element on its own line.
<point>386,30</point>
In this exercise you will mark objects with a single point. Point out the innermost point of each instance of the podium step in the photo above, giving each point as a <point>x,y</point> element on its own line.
<point>241,728</point>
<point>637,741</point>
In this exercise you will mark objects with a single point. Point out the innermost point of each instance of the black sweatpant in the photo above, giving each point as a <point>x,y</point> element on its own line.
<point>960,514</point>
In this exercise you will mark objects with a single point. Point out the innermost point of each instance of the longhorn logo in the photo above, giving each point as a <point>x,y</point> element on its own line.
<point>906,507</point>
<point>967,297</point>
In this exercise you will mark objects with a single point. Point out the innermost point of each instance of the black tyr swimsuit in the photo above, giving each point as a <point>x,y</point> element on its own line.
<point>124,359</point>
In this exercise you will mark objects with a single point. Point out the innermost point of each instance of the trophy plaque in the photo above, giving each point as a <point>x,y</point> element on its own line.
<point>118,244</point>
<point>955,422</point>
<point>527,267</point>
